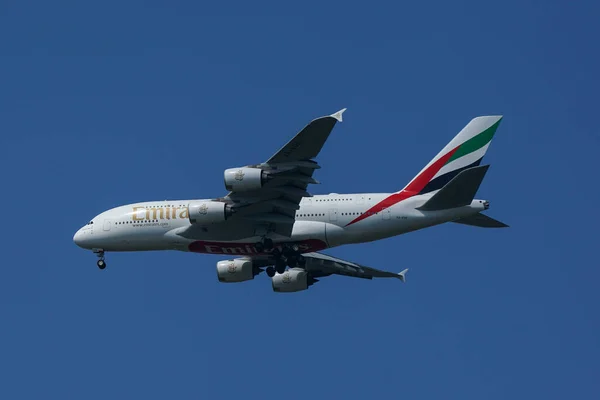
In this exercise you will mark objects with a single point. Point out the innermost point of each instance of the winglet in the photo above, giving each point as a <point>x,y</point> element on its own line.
<point>402,275</point>
<point>338,115</point>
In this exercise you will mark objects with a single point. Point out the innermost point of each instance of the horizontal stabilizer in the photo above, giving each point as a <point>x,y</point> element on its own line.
<point>482,221</point>
<point>459,192</point>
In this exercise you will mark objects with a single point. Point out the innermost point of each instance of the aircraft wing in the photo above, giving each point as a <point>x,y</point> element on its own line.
<point>308,142</point>
<point>319,265</point>
<point>289,173</point>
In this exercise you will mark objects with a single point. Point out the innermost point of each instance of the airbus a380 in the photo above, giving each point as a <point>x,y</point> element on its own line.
<point>269,220</point>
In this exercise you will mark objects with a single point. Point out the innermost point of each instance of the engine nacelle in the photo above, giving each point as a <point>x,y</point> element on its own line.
<point>244,179</point>
<point>238,270</point>
<point>208,212</point>
<point>292,280</point>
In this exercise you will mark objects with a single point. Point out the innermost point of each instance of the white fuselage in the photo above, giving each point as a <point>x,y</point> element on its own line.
<point>322,221</point>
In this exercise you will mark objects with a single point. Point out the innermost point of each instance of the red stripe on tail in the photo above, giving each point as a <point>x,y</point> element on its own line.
<point>413,188</point>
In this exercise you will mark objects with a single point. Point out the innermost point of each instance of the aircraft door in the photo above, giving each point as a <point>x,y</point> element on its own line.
<point>333,214</point>
<point>385,214</point>
<point>107,224</point>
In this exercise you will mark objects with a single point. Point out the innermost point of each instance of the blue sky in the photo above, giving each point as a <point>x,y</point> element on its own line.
<point>108,104</point>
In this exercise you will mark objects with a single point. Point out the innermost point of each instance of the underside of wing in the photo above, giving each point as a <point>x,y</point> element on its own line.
<point>482,221</point>
<point>307,269</point>
<point>280,183</point>
<point>318,265</point>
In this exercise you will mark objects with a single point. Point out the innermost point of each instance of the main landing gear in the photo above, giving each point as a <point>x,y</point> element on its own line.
<point>100,253</point>
<point>264,244</point>
<point>289,256</point>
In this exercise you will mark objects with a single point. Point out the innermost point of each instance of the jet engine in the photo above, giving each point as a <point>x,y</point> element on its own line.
<point>208,212</point>
<point>237,270</point>
<point>292,280</point>
<point>244,179</point>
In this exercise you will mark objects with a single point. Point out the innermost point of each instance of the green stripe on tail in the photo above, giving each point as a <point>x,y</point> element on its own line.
<point>475,143</point>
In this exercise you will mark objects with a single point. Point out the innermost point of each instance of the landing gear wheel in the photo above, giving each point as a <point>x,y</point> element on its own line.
<point>270,272</point>
<point>268,244</point>
<point>292,262</point>
<point>280,266</point>
<point>288,251</point>
<point>100,253</point>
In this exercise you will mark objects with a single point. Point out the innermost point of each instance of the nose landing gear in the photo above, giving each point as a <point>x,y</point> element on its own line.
<point>100,253</point>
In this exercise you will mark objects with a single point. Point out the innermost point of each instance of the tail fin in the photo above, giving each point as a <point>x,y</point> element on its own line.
<point>465,151</point>
<point>459,192</point>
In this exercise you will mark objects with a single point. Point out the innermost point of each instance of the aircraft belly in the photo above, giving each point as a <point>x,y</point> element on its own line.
<point>308,235</point>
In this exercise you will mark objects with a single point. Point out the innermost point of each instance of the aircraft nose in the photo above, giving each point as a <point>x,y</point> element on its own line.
<point>78,238</point>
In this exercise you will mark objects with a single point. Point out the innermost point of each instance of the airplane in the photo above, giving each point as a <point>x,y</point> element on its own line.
<point>269,221</point>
